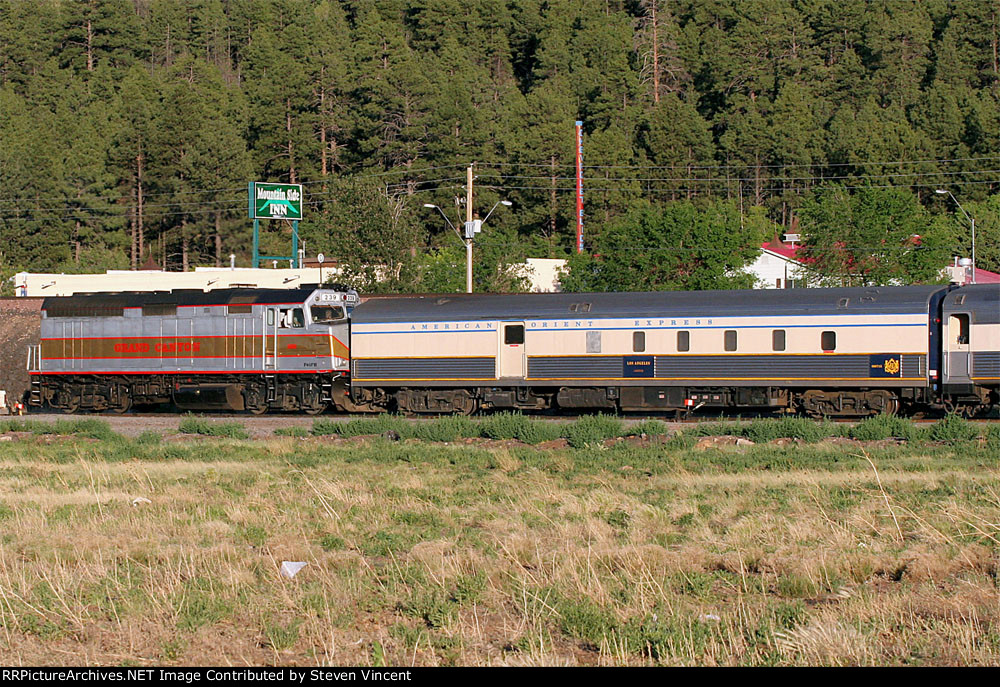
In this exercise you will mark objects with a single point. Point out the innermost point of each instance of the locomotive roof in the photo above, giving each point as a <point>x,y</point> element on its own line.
<point>871,301</point>
<point>982,300</point>
<point>134,299</point>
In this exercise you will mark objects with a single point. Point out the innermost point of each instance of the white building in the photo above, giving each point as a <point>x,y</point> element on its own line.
<point>776,267</point>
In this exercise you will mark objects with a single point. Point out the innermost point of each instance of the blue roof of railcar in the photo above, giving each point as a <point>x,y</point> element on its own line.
<point>869,301</point>
<point>982,300</point>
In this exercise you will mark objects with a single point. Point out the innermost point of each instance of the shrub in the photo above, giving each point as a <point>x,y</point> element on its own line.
<point>291,432</point>
<point>953,429</point>
<point>883,427</point>
<point>591,429</point>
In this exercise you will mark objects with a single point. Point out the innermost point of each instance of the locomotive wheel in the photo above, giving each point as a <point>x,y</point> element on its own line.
<point>257,409</point>
<point>253,401</point>
<point>314,409</point>
<point>124,405</point>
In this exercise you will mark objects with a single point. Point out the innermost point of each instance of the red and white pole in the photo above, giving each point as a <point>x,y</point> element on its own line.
<point>579,187</point>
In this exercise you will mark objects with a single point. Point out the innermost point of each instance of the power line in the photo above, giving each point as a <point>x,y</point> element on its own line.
<point>687,189</point>
<point>731,180</point>
<point>787,165</point>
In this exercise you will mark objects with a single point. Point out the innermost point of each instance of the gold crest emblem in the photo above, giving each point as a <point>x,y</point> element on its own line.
<point>891,366</point>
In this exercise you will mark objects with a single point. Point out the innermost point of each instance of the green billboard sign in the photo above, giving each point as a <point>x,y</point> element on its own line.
<point>275,201</point>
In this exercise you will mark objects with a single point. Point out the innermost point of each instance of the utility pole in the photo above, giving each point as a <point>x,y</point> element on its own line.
<point>469,232</point>
<point>471,227</point>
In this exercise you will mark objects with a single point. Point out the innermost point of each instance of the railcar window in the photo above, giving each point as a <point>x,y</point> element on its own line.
<point>513,334</point>
<point>638,342</point>
<point>683,341</point>
<point>778,340</point>
<point>325,314</point>
<point>593,342</point>
<point>730,340</point>
<point>828,341</point>
<point>960,326</point>
<point>270,317</point>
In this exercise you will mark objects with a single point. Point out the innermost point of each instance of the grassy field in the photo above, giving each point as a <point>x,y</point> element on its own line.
<point>659,549</point>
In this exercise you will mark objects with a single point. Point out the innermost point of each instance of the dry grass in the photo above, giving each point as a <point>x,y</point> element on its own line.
<point>431,554</point>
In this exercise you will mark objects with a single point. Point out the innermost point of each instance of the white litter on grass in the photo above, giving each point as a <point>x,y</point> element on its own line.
<point>710,616</point>
<point>290,569</point>
<point>139,500</point>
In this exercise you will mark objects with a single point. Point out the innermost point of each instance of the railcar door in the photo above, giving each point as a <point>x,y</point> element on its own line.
<point>513,357</point>
<point>958,348</point>
<point>271,317</point>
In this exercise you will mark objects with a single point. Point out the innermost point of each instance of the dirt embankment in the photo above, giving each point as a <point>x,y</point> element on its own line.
<point>20,323</point>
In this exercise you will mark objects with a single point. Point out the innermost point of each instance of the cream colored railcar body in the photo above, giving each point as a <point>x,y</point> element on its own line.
<point>600,349</point>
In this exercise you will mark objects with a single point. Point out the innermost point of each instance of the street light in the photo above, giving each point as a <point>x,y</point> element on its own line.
<point>972,221</point>
<point>471,229</point>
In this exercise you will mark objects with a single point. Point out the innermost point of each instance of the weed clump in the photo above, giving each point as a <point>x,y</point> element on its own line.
<point>380,424</point>
<point>445,428</point>
<point>517,426</point>
<point>883,427</point>
<point>953,429</point>
<point>85,427</point>
<point>591,429</point>
<point>761,431</point>
<point>229,430</point>
<point>648,427</point>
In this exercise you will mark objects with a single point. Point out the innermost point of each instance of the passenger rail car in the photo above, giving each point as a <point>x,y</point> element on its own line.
<point>823,352</point>
<point>237,349</point>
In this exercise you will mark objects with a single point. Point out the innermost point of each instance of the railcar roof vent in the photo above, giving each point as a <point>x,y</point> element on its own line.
<point>960,299</point>
<point>442,301</point>
<point>585,307</point>
<point>574,307</point>
<point>842,303</point>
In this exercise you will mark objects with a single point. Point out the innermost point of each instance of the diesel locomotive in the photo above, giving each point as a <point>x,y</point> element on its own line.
<point>848,352</point>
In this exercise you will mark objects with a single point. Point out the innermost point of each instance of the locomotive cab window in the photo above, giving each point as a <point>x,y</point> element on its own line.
<point>638,342</point>
<point>828,341</point>
<point>730,340</point>
<point>513,334</point>
<point>683,341</point>
<point>778,340</point>
<point>292,318</point>
<point>326,314</point>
